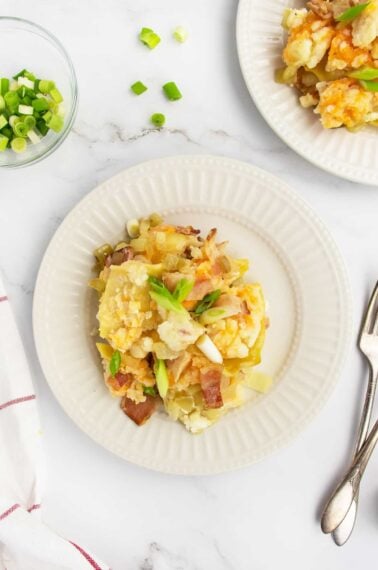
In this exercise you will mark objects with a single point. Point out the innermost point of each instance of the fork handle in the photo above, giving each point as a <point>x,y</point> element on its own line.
<point>342,498</point>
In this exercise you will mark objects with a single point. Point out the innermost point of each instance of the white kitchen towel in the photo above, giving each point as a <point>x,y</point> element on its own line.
<point>26,543</point>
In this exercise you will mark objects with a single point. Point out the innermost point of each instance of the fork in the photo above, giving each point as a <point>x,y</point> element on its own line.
<point>341,510</point>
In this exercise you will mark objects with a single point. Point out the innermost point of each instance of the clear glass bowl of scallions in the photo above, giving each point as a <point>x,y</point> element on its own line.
<point>38,93</point>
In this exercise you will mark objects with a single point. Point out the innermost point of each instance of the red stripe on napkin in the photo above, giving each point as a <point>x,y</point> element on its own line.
<point>17,401</point>
<point>9,511</point>
<point>3,299</point>
<point>34,507</point>
<point>87,557</point>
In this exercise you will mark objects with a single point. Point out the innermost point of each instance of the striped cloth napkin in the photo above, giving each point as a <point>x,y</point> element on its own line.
<point>26,543</point>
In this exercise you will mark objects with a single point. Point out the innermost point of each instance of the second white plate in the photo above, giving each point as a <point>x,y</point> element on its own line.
<point>260,41</point>
<point>292,256</point>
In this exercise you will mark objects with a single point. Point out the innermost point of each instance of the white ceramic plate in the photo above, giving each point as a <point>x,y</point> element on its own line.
<point>260,41</point>
<point>292,255</point>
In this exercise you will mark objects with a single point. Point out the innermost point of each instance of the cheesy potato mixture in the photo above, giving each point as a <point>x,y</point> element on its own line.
<point>178,324</point>
<point>331,58</point>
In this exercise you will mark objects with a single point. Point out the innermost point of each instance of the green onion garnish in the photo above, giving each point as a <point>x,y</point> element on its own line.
<point>182,289</point>
<point>149,390</point>
<point>45,86</point>
<point>138,88</point>
<point>207,302</point>
<point>4,85</point>
<point>163,297</point>
<point>115,362</point>
<point>149,38</point>
<point>21,129</point>
<point>161,375</point>
<point>3,122</point>
<point>158,119</point>
<point>2,103</point>
<point>180,34</point>
<point>352,13</point>
<point>3,142</point>
<point>367,73</point>
<point>171,91</point>
<point>369,85</point>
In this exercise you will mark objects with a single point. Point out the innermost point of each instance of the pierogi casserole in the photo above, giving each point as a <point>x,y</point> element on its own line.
<point>180,329</point>
<point>331,59</point>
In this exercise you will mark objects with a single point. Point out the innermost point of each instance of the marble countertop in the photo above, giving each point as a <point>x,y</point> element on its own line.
<point>260,518</point>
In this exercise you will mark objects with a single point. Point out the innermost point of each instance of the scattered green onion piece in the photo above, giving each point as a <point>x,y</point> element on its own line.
<point>30,75</point>
<point>171,91</point>
<point>149,38</point>
<point>12,101</point>
<point>13,119</point>
<point>369,85</point>
<point>4,85</point>
<point>56,123</point>
<point>161,375</point>
<point>40,104</point>
<point>33,136</point>
<point>207,302</point>
<point>3,142</point>
<point>3,122</point>
<point>180,34</point>
<point>56,95</point>
<point>20,129</point>
<point>182,289</point>
<point>352,13</point>
<point>25,109</point>
<point>149,390</point>
<point>18,145</point>
<point>158,119</point>
<point>163,297</point>
<point>138,88</point>
<point>45,86</point>
<point>47,116</point>
<point>115,362</point>
<point>212,316</point>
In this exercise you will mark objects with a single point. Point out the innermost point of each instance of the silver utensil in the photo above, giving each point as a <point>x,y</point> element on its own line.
<point>340,513</point>
<point>345,493</point>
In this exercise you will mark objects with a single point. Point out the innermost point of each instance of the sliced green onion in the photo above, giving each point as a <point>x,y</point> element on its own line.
<point>47,116</point>
<point>24,81</point>
<point>12,101</point>
<point>161,375</point>
<point>182,289</point>
<point>7,132</point>
<point>369,85</point>
<point>56,123</point>
<point>163,297</point>
<point>45,86</point>
<point>212,316</point>
<point>30,122</point>
<point>13,119</point>
<point>25,109</point>
<point>171,91</point>
<point>4,85</point>
<point>19,74</point>
<point>158,119</point>
<point>2,103</point>
<point>20,129</point>
<point>367,73</point>
<point>207,302</point>
<point>149,38</point>
<point>18,145</point>
<point>352,13</point>
<point>32,135</point>
<point>3,122</point>
<point>40,104</point>
<point>138,88</point>
<point>3,142</point>
<point>149,390</point>
<point>115,362</point>
<point>180,34</point>
<point>56,95</point>
<point>42,127</point>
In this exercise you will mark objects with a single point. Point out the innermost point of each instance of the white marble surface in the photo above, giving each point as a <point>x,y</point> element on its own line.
<point>260,518</point>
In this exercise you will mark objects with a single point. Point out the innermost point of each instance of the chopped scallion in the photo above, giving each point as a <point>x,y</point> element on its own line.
<point>171,91</point>
<point>352,13</point>
<point>25,109</point>
<point>158,119</point>
<point>3,142</point>
<point>180,34</point>
<point>18,145</point>
<point>3,122</point>
<point>138,88</point>
<point>149,38</point>
<point>369,85</point>
<point>4,85</point>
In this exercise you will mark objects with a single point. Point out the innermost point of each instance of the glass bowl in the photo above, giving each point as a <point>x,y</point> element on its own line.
<point>25,45</point>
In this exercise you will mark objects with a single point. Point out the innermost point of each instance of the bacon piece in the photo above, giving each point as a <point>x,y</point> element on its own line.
<point>232,304</point>
<point>187,230</point>
<point>210,384</point>
<point>120,380</point>
<point>178,365</point>
<point>141,412</point>
<point>120,256</point>
<point>201,288</point>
